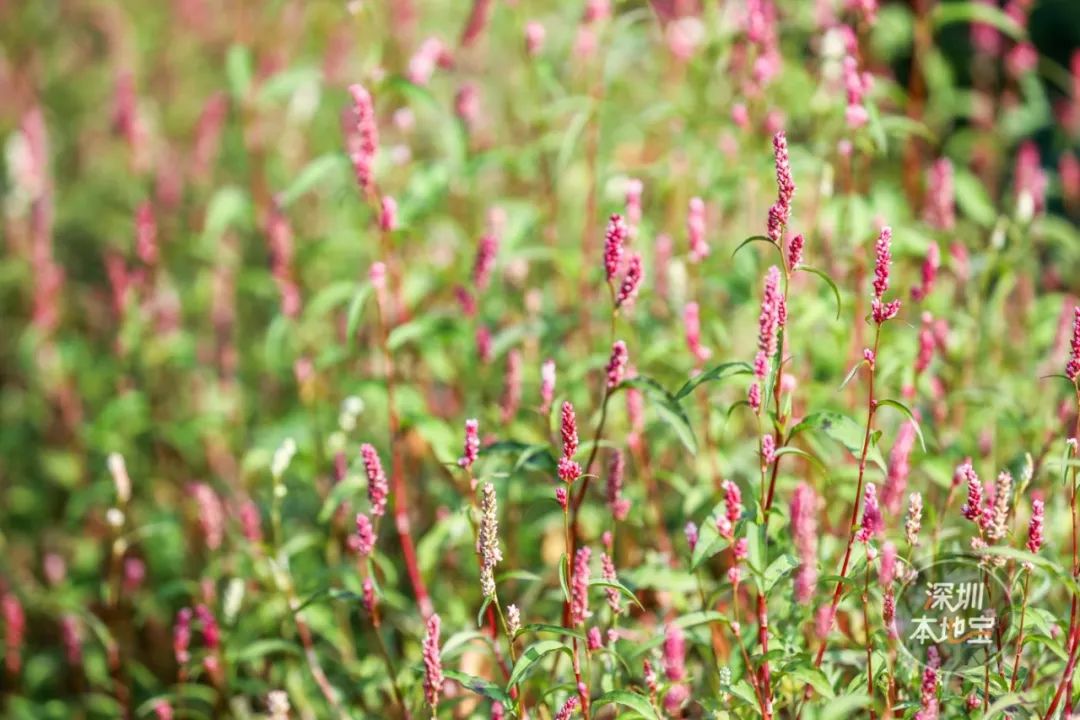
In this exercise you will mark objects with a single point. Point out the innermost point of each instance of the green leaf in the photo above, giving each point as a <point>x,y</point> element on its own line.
<point>710,542</point>
<point>637,703</point>
<point>948,13</point>
<point>842,429</point>
<point>801,453</point>
<point>851,374</point>
<point>720,372</point>
<point>910,416</point>
<point>530,456</point>
<point>316,172</point>
<point>815,678</point>
<point>261,648</point>
<point>758,238</point>
<point>229,206</point>
<point>238,70</point>
<point>480,686</point>
<point>483,607</point>
<point>1012,701</point>
<point>843,707</point>
<point>530,657</point>
<point>668,407</point>
<point>618,586</point>
<point>828,281</point>
<point>552,629</point>
<point>338,494</point>
<point>424,326</point>
<point>777,569</point>
<point>562,577</point>
<point>973,199</point>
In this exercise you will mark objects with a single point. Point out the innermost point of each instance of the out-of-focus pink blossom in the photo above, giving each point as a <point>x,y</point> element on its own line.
<point>431,54</point>
<point>805,534</point>
<point>511,398</point>
<point>211,514</point>
<point>616,367</point>
<point>483,344</point>
<point>547,385</point>
<point>579,587</point>
<point>695,229</point>
<point>484,264</point>
<point>892,492</point>
<point>692,323</point>
<point>534,37</point>
<point>618,505</point>
<point>364,140</point>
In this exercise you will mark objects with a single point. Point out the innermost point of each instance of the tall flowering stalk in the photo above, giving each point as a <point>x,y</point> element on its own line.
<point>882,311</point>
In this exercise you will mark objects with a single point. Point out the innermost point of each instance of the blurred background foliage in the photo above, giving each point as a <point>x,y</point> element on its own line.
<point>218,115</point>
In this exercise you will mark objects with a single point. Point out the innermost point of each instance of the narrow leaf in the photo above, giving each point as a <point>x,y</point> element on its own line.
<point>720,372</point>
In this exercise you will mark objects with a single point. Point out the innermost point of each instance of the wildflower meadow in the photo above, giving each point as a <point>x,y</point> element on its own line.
<point>555,360</point>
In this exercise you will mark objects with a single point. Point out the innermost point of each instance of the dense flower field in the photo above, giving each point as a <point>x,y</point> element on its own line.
<point>539,360</point>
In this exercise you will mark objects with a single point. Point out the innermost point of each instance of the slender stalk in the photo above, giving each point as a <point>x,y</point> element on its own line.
<point>1020,634</point>
<point>871,407</point>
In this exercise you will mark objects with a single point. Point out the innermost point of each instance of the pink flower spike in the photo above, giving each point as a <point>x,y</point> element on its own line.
<point>472,444</point>
<point>378,488</point>
<point>804,531</point>
<point>182,636</point>
<point>485,260</point>
<point>561,497</point>
<point>1035,526</point>
<point>607,571</point>
<point>433,675</point>
<point>973,509</point>
<point>388,217</point>
<point>795,251</point>
<point>695,229</point>
<point>614,239</point>
<point>872,523</point>
<point>881,310</point>
<point>579,587</point>
<point>1072,367</point>
<point>618,505</point>
<point>616,367</point>
<point>631,282</point>
<point>547,385</point>
<point>366,144</point>
<point>691,532</point>
<point>569,430</point>
<point>567,709</point>
<point>534,38</point>
<point>365,535</point>
<point>692,323</point>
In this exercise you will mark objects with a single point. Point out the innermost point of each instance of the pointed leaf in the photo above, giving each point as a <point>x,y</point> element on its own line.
<point>530,657</point>
<point>910,416</point>
<point>828,281</point>
<point>720,372</point>
<point>668,407</point>
<point>480,686</point>
<point>637,703</point>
